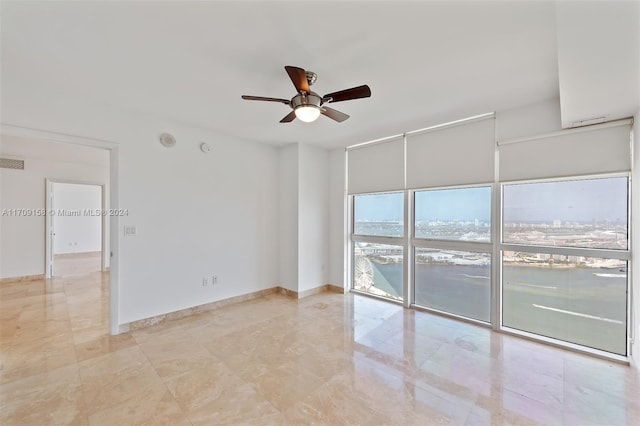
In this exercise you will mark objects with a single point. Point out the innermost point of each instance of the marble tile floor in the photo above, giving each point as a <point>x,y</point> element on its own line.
<point>328,359</point>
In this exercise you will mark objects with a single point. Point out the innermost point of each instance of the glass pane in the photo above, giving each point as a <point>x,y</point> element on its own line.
<point>576,299</point>
<point>454,281</point>
<point>590,213</point>
<point>379,214</point>
<point>454,214</point>
<point>378,269</point>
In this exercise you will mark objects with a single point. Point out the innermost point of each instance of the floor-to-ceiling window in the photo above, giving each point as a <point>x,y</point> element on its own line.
<point>378,244</point>
<point>564,260</point>
<point>452,242</point>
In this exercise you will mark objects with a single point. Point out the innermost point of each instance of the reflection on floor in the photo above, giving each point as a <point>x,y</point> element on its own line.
<point>76,263</point>
<point>327,359</point>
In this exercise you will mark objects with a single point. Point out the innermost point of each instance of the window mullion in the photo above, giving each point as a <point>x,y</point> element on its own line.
<point>408,248</point>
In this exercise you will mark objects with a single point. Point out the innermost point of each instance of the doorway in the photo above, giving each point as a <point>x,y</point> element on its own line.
<point>52,158</point>
<point>76,228</point>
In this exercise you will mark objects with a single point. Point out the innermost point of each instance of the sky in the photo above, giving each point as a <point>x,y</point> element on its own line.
<point>379,207</point>
<point>454,204</point>
<point>581,201</point>
<point>450,204</point>
<point>572,201</point>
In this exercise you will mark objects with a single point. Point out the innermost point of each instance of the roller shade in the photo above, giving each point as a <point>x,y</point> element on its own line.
<point>602,148</point>
<point>454,155</point>
<point>376,167</point>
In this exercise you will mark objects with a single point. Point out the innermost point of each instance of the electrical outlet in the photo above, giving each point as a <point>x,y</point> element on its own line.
<point>205,281</point>
<point>130,230</point>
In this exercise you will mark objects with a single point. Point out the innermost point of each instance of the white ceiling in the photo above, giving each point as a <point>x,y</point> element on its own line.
<point>426,62</point>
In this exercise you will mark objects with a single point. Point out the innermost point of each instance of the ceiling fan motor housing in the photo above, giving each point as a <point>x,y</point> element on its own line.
<point>311,99</point>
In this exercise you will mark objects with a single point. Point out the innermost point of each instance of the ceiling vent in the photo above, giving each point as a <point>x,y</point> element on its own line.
<point>588,122</point>
<point>8,163</point>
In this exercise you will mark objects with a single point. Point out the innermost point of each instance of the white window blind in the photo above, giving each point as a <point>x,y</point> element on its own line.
<point>598,149</point>
<point>376,167</point>
<point>459,154</point>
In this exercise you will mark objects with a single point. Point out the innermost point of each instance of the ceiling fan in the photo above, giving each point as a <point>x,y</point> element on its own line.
<point>308,105</point>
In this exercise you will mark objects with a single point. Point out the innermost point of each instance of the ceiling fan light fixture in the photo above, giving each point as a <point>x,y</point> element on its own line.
<point>307,113</point>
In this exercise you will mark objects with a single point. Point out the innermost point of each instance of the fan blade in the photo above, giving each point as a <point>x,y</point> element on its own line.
<point>334,115</point>
<point>262,98</point>
<point>289,117</point>
<point>299,78</point>
<point>348,94</point>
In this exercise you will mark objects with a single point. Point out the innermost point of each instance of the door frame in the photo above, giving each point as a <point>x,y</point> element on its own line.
<point>114,201</point>
<point>50,218</point>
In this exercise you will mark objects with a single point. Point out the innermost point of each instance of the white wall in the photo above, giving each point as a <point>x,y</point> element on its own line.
<point>635,241</point>
<point>313,217</point>
<point>288,217</point>
<point>337,225</point>
<point>602,85</point>
<point>196,214</point>
<point>304,217</point>
<point>22,238</point>
<point>82,233</point>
